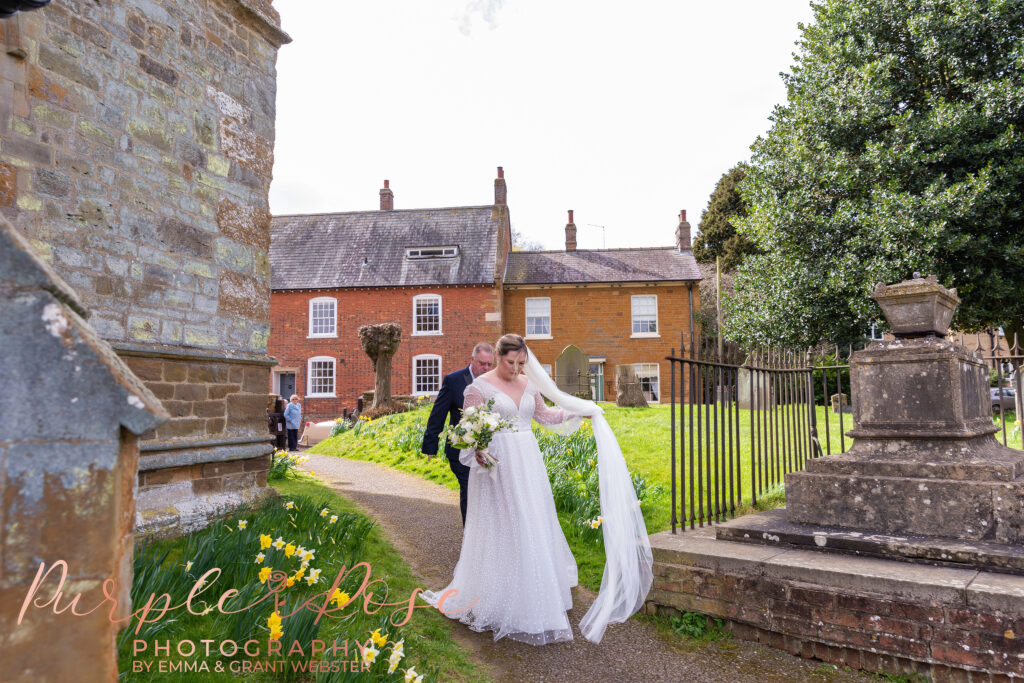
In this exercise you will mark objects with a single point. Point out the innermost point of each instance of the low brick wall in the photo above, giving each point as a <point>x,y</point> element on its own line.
<point>949,624</point>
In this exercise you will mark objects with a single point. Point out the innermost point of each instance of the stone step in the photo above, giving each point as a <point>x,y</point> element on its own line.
<point>773,529</point>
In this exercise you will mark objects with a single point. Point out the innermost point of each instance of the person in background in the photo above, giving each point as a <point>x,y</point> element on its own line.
<point>292,421</point>
<point>448,405</point>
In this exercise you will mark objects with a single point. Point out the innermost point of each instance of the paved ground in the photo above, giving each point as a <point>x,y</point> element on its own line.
<point>422,520</point>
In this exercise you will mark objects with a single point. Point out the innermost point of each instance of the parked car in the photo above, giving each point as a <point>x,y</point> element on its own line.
<point>1008,398</point>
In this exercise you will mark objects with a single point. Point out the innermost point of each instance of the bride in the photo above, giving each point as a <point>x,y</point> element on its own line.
<point>515,571</point>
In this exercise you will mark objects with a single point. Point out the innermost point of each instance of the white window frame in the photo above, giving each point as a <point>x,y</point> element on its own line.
<point>440,315</point>
<point>547,369</point>
<point>526,308</point>
<point>633,317</point>
<point>309,377</point>
<point>431,252</point>
<point>440,373</point>
<point>657,367</point>
<point>323,335</point>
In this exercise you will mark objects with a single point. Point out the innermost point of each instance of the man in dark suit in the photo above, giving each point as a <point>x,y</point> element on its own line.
<point>448,404</point>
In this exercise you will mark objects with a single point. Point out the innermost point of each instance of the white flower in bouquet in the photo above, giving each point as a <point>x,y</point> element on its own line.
<point>475,430</point>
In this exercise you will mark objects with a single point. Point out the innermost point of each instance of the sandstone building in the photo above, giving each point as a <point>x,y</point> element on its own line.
<point>449,277</point>
<point>136,145</point>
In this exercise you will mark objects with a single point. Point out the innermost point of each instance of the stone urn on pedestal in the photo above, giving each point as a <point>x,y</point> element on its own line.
<point>925,478</point>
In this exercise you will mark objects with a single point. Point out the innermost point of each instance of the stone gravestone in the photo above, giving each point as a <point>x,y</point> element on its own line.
<point>627,388</point>
<point>72,414</point>
<point>572,372</point>
<point>840,402</point>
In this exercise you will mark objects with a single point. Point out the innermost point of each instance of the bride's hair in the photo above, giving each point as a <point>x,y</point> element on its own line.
<point>510,343</point>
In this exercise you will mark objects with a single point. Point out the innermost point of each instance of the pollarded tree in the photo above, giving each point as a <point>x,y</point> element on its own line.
<point>718,237</point>
<point>380,342</point>
<point>900,148</point>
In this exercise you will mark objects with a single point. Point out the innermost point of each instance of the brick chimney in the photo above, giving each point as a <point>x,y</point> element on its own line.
<point>500,191</point>
<point>683,233</point>
<point>387,198</point>
<point>570,234</point>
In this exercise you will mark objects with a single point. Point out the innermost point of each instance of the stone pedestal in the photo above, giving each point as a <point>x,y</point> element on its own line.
<point>903,555</point>
<point>924,459</point>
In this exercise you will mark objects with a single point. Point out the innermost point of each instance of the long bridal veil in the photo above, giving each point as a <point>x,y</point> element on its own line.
<point>628,572</point>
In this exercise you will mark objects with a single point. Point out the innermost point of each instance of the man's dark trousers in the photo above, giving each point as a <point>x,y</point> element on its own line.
<point>448,404</point>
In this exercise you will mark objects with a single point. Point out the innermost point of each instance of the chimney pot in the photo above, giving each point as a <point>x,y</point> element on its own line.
<point>500,189</point>
<point>570,234</point>
<point>387,198</point>
<point>683,233</point>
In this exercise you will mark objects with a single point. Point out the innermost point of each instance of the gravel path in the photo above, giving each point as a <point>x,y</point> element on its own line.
<point>422,521</point>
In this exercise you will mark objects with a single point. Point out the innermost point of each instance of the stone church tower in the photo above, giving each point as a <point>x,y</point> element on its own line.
<point>136,147</point>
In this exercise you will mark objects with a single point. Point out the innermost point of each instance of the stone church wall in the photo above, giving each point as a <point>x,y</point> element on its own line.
<point>136,148</point>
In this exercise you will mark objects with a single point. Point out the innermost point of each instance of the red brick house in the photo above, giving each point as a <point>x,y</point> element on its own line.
<point>436,272</point>
<point>618,306</point>
<point>449,278</point>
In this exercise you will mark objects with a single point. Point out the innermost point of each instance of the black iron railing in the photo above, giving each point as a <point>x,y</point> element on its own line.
<point>742,421</point>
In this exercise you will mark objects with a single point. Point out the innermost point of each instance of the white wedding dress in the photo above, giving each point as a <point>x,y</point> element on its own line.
<point>516,570</point>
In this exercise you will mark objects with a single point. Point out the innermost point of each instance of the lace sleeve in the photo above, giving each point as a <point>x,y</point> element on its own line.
<point>558,420</point>
<point>548,416</point>
<point>472,397</point>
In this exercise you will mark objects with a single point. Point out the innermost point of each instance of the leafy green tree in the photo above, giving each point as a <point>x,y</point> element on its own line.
<point>900,148</point>
<point>718,237</point>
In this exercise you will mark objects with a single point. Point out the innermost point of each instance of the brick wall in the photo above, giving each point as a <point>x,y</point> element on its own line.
<point>599,321</point>
<point>464,323</point>
<point>136,155</point>
<point>913,633</point>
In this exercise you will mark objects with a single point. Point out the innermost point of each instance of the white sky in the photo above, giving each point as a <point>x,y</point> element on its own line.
<point>625,112</point>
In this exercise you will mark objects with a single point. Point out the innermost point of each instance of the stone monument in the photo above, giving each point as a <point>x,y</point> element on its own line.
<point>572,371</point>
<point>905,554</point>
<point>925,461</point>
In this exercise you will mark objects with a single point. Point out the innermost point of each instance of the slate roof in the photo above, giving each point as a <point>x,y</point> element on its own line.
<point>326,251</point>
<point>600,265</point>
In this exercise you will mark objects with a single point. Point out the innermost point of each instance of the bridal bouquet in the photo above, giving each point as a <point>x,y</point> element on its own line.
<point>475,430</point>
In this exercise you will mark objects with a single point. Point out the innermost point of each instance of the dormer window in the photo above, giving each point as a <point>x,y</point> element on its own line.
<point>431,252</point>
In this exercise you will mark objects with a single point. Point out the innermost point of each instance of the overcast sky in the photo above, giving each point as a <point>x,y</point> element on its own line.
<point>625,112</point>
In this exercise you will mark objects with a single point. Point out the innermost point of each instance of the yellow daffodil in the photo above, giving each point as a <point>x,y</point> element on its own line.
<point>279,543</point>
<point>290,581</point>
<point>340,597</point>
<point>289,550</point>
<point>393,661</point>
<point>260,558</point>
<point>289,505</point>
<point>312,473</point>
<point>206,611</point>
<point>200,583</point>
<point>314,576</point>
<point>274,624</point>
<point>378,639</point>
<point>299,574</point>
<point>594,524</point>
<point>370,655</point>
<point>307,555</point>
<point>324,512</point>
<point>412,677</point>
<point>265,541</point>
<point>188,566</point>
<point>242,523</point>
<point>265,574</point>
<point>333,519</point>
